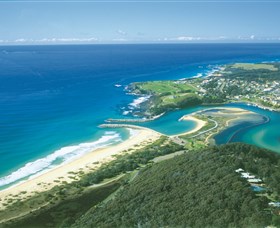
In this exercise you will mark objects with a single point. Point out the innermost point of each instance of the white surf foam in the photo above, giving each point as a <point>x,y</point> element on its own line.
<point>125,113</point>
<point>199,75</point>
<point>136,102</point>
<point>133,132</point>
<point>61,156</point>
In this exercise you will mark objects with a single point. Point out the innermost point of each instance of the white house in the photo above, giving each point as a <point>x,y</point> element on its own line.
<point>247,175</point>
<point>254,180</point>
<point>239,170</point>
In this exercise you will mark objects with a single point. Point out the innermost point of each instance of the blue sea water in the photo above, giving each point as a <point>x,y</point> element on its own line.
<point>52,98</point>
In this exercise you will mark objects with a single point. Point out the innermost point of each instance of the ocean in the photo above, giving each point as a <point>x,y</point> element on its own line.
<point>52,98</point>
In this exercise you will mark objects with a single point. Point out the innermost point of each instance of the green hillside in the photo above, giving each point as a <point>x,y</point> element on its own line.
<point>196,189</point>
<point>166,95</point>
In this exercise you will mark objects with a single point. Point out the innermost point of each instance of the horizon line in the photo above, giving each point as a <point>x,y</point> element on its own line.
<point>130,43</point>
<point>142,1</point>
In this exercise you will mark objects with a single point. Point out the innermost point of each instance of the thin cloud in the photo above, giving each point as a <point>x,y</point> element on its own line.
<point>192,38</point>
<point>21,40</point>
<point>187,38</point>
<point>51,40</point>
<point>92,39</point>
<point>252,37</point>
<point>222,37</point>
<point>120,40</point>
<point>123,39</point>
<point>121,32</point>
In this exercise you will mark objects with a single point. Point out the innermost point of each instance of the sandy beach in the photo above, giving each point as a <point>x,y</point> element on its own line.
<point>86,163</point>
<point>235,113</point>
<point>199,124</point>
<point>231,111</point>
<point>227,110</point>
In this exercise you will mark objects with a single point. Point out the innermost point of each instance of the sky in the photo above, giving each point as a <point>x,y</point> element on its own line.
<point>52,22</point>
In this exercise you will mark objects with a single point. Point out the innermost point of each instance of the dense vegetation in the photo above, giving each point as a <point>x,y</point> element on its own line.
<point>129,162</point>
<point>196,189</point>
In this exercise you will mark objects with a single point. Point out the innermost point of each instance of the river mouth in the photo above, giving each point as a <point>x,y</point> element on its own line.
<point>260,129</point>
<point>230,134</point>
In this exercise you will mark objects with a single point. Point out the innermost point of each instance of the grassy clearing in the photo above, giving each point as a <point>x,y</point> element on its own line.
<point>254,66</point>
<point>162,87</point>
<point>171,99</point>
<point>166,95</point>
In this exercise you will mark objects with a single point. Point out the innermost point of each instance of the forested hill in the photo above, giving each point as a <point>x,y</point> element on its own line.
<point>196,189</point>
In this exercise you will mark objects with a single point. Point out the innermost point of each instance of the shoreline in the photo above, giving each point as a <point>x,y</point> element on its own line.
<point>261,106</point>
<point>199,123</point>
<point>86,163</point>
<point>95,158</point>
<point>240,116</point>
<point>68,172</point>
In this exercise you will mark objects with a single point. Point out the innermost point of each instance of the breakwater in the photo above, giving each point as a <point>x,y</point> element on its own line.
<point>128,120</point>
<point>119,126</point>
<point>134,120</point>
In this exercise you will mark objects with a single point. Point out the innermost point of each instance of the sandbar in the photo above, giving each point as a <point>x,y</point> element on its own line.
<point>198,124</point>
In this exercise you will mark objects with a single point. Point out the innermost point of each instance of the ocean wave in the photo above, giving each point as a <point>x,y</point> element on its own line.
<point>61,156</point>
<point>198,75</point>
<point>136,102</point>
<point>110,133</point>
<point>133,132</point>
<point>125,113</point>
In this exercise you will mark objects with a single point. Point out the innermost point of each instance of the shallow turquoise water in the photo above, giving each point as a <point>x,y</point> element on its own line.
<point>264,135</point>
<point>169,124</point>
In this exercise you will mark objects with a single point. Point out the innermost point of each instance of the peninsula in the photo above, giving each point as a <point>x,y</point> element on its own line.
<point>254,83</point>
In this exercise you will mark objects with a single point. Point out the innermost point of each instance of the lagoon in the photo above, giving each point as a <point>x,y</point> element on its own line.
<point>265,135</point>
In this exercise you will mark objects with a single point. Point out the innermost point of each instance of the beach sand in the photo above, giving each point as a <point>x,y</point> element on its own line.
<point>235,114</point>
<point>228,110</point>
<point>86,163</point>
<point>231,116</point>
<point>199,124</point>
